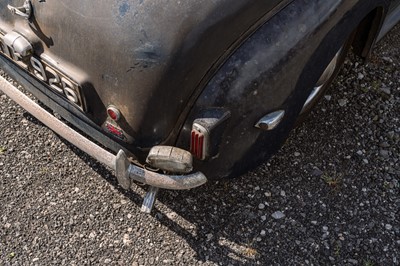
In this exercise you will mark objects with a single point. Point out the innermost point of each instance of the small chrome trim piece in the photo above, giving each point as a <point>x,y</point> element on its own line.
<point>271,120</point>
<point>24,11</point>
<point>315,91</point>
<point>149,199</point>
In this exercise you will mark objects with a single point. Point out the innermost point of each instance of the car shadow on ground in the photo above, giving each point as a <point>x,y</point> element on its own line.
<point>231,221</point>
<point>220,226</point>
<point>304,203</point>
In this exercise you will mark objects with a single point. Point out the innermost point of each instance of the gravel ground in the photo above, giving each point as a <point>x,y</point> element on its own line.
<point>330,196</point>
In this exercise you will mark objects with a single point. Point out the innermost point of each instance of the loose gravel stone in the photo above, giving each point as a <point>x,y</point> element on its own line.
<point>352,261</point>
<point>342,102</point>
<point>386,90</point>
<point>384,153</point>
<point>317,172</point>
<point>278,215</point>
<point>388,227</point>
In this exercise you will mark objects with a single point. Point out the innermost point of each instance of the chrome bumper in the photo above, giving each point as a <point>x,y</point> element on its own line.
<point>125,171</point>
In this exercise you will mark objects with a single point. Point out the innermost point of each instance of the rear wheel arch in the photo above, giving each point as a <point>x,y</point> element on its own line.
<point>243,146</point>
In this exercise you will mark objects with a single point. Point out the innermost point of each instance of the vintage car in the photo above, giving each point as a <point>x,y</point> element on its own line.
<point>172,93</point>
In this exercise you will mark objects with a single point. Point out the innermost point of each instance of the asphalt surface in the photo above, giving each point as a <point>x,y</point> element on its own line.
<point>330,196</point>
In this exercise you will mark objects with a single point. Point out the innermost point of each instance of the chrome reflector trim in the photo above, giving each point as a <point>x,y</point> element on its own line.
<point>271,121</point>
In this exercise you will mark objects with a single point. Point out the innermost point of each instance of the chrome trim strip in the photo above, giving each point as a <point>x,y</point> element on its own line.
<point>390,21</point>
<point>126,172</point>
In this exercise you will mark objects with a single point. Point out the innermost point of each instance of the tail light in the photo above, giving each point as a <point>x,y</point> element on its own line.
<point>207,131</point>
<point>113,113</point>
<point>199,141</point>
<point>114,130</point>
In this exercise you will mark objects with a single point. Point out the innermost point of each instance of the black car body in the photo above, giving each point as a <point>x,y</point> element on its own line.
<point>223,79</point>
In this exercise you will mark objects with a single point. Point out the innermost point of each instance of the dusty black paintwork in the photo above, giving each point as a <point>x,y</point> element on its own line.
<point>163,62</point>
<point>144,57</point>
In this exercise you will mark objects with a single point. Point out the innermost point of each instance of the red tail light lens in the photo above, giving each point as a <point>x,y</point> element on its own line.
<point>196,148</point>
<point>115,130</point>
<point>198,142</point>
<point>113,113</point>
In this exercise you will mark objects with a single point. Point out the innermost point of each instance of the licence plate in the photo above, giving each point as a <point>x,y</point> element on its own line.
<point>55,79</point>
